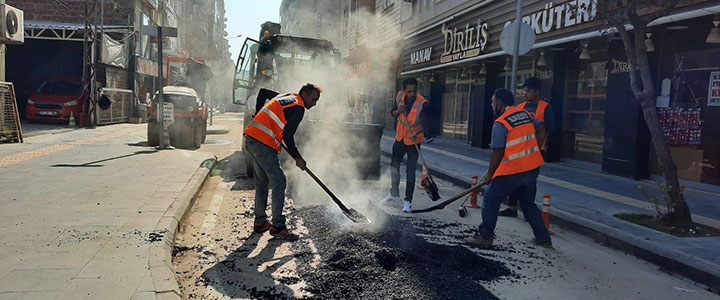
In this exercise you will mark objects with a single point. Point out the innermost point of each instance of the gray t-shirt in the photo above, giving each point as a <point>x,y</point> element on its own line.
<point>499,135</point>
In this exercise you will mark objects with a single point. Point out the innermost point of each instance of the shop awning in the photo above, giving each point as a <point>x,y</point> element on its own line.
<point>678,16</point>
<point>48,30</point>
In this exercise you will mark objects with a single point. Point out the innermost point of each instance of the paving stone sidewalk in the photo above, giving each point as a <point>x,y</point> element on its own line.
<point>81,210</point>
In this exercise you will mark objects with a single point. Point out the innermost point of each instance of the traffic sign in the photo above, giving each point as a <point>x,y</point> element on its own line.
<point>153,30</point>
<point>527,38</point>
<point>168,113</point>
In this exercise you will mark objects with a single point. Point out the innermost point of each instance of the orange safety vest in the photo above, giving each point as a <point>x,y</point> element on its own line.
<point>539,114</point>
<point>521,148</point>
<point>268,124</point>
<point>410,124</point>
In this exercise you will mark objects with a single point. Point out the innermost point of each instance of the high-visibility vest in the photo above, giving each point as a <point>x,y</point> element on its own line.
<point>522,153</point>
<point>268,124</point>
<point>539,114</point>
<point>410,124</point>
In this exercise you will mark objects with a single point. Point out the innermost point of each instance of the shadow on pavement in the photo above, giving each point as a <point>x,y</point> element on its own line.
<point>238,276</point>
<point>94,164</point>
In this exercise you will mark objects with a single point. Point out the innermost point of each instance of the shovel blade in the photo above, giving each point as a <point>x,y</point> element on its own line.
<point>431,189</point>
<point>356,217</point>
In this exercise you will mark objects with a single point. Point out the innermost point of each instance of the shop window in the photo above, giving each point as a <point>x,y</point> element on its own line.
<point>456,106</point>
<point>691,124</point>
<point>584,107</point>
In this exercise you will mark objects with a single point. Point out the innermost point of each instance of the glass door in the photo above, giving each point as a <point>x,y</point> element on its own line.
<point>456,106</point>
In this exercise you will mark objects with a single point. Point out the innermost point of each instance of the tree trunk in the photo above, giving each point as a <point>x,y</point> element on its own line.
<point>645,93</point>
<point>680,214</point>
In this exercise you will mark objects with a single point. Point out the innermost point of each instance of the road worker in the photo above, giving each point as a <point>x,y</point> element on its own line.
<point>543,112</point>
<point>409,109</point>
<point>514,166</point>
<point>275,123</point>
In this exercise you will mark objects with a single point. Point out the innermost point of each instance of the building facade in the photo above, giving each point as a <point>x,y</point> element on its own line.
<point>584,76</point>
<point>311,18</point>
<point>127,57</point>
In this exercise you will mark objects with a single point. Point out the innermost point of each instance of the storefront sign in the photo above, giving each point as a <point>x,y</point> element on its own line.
<point>714,89</point>
<point>421,56</point>
<point>462,44</point>
<point>619,66</point>
<point>569,13</point>
<point>544,74</point>
<point>147,67</point>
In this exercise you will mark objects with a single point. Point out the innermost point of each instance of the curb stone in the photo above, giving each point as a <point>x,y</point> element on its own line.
<point>160,253</point>
<point>694,268</point>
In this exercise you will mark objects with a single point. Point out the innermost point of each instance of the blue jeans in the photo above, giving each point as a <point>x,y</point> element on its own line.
<point>524,185</point>
<point>267,171</point>
<point>398,151</point>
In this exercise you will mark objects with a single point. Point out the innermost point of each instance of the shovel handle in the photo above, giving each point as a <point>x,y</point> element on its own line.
<point>322,185</point>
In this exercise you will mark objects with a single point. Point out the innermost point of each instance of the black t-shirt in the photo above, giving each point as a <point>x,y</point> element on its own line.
<point>424,114</point>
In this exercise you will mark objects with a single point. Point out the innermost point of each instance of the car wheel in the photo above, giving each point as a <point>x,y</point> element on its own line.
<point>153,132</point>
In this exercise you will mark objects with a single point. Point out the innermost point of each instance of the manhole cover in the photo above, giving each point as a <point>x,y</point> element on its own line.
<point>217,142</point>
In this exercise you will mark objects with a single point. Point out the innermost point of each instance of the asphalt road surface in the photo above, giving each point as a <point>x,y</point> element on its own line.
<point>397,256</point>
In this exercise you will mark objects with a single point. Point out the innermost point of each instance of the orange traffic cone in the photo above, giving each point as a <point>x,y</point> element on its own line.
<point>424,175</point>
<point>474,194</point>
<point>546,212</point>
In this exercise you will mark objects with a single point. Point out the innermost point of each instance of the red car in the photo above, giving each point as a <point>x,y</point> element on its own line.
<point>55,99</point>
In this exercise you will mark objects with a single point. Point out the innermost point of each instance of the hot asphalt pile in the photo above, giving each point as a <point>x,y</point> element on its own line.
<point>389,261</point>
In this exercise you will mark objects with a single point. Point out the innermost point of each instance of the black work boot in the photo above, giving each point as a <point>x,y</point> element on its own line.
<point>508,213</point>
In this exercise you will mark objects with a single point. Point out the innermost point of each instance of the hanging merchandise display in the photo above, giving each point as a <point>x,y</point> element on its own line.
<point>681,126</point>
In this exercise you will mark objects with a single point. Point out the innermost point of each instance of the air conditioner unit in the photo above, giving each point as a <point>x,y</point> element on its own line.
<point>11,25</point>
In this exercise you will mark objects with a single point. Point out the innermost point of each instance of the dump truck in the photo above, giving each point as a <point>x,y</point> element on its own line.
<point>279,62</point>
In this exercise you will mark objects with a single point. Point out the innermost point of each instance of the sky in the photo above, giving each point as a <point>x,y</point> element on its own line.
<point>245,16</point>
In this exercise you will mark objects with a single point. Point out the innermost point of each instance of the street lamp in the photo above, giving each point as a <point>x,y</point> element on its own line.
<point>234,37</point>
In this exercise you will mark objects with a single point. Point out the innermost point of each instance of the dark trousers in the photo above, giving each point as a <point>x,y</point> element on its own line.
<point>499,189</point>
<point>514,196</point>
<point>398,151</point>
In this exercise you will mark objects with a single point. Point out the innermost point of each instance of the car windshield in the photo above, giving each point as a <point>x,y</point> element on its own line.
<point>180,100</point>
<point>58,87</point>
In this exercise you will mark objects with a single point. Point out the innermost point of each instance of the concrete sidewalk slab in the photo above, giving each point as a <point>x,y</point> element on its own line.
<point>586,201</point>
<point>218,129</point>
<point>85,209</point>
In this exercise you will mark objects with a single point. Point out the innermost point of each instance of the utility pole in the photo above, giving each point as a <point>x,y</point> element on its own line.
<point>516,56</point>
<point>2,56</point>
<point>161,83</point>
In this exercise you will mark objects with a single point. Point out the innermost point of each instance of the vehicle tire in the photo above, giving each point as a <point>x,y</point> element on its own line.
<point>153,132</point>
<point>180,136</point>
<point>204,130</point>
<point>197,137</point>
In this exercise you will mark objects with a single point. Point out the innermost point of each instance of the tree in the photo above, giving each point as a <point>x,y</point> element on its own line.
<point>638,14</point>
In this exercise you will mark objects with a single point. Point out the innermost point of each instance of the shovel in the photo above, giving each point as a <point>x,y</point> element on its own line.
<point>352,214</point>
<point>442,205</point>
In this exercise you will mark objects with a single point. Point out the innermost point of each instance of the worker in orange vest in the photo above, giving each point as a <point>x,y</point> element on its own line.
<point>409,108</point>
<point>275,123</point>
<point>514,166</point>
<point>543,112</point>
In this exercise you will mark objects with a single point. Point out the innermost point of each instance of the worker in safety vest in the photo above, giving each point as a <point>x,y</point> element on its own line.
<point>543,112</point>
<point>275,123</point>
<point>514,166</point>
<point>409,109</point>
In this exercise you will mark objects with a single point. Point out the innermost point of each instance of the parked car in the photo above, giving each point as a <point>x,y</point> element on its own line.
<point>190,114</point>
<point>56,99</point>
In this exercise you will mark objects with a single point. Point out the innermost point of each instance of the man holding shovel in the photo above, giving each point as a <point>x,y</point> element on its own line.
<point>409,109</point>
<point>514,166</point>
<point>274,124</point>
